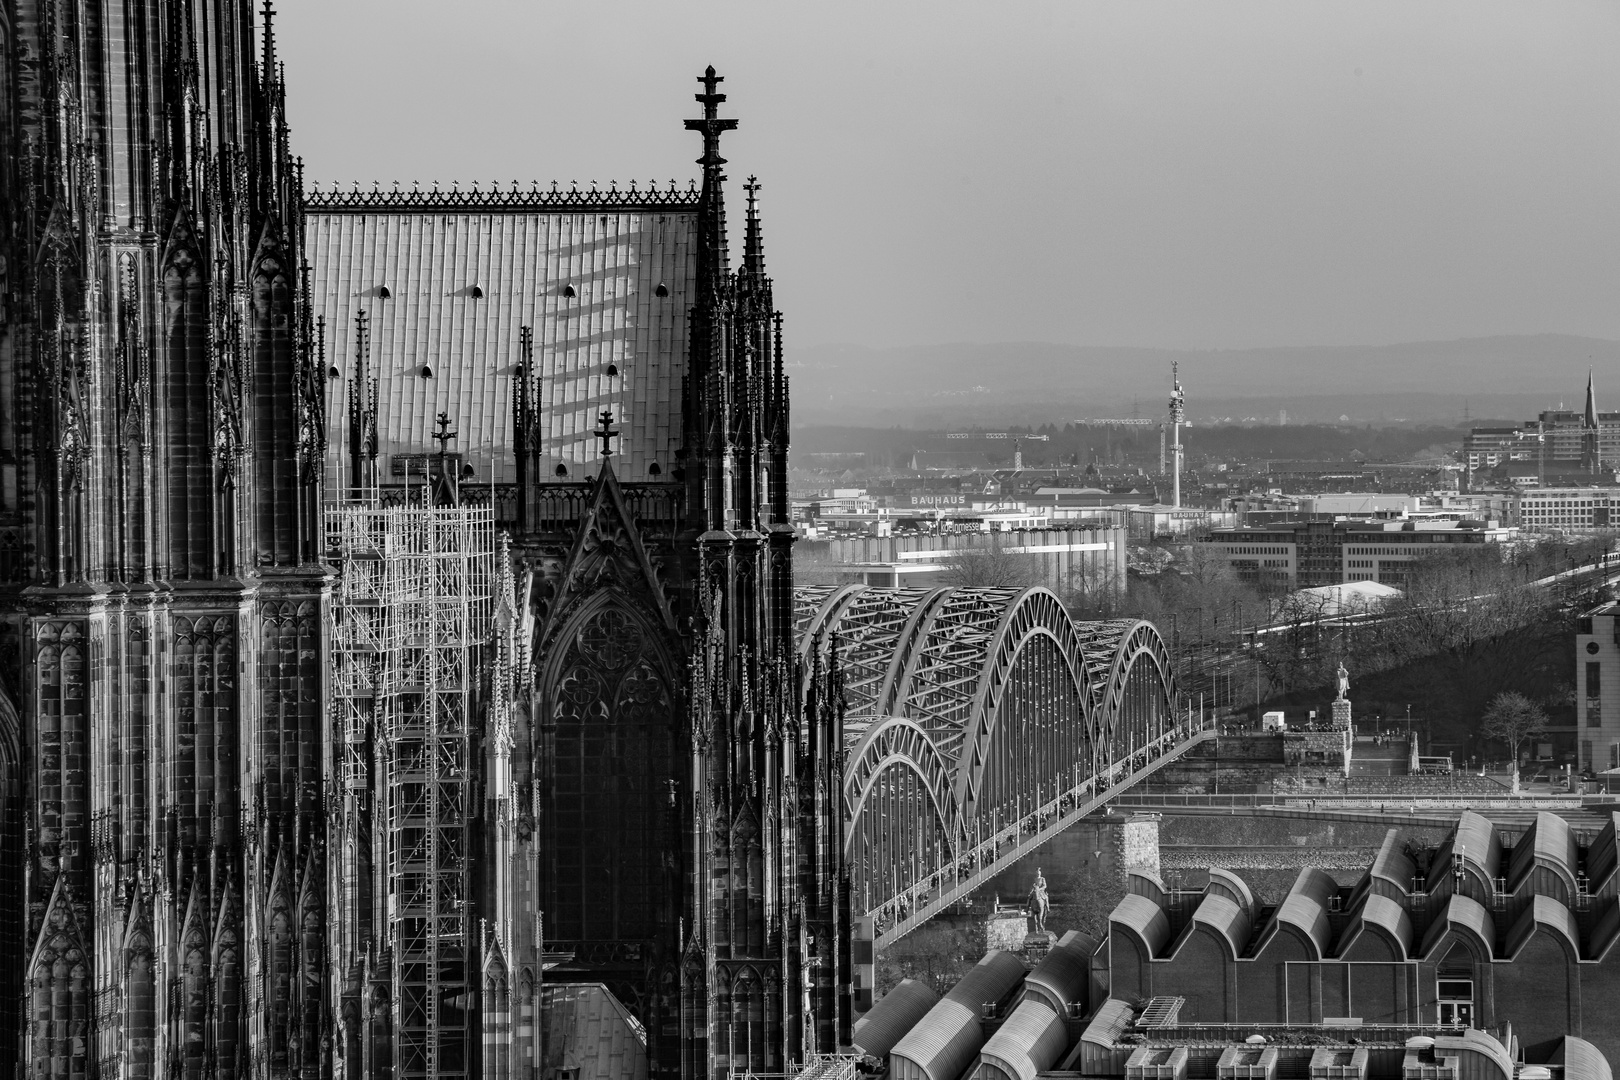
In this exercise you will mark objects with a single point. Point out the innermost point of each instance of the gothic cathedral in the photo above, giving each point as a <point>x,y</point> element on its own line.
<point>193,875</point>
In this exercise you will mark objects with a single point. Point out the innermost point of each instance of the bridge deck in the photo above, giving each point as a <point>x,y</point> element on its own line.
<point>978,865</point>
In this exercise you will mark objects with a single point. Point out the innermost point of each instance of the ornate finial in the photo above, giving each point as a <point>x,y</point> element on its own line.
<point>753,241</point>
<point>443,435</point>
<point>711,125</point>
<point>606,431</point>
<point>269,41</point>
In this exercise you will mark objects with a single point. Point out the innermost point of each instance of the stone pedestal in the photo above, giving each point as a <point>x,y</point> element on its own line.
<point>1006,927</point>
<point>1341,722</point>
<point>1037,943</point>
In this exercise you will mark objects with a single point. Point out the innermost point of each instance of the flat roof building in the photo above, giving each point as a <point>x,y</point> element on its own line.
<point>1307,554</point>
<point>1567,509</point>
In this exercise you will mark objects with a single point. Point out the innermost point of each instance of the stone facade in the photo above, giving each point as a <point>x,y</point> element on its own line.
<point>196,885</point>
<point>163,600</point>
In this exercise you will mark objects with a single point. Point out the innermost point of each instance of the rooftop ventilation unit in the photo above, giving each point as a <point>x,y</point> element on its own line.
<point>1339,1064</point>
<point>1247,1063</point>
<point>1157,1063</point>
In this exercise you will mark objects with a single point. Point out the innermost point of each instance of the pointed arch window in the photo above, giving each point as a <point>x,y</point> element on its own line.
<point>610,715</point>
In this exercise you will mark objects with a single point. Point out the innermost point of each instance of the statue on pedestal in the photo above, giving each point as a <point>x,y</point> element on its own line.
<point>1344,682</point>
<point>1039,902</point>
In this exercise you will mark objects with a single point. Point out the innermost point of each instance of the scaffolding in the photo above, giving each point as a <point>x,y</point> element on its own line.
<point>413,613</point>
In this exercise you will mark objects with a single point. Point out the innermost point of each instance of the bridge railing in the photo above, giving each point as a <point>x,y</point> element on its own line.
<point>1390,803</point>
<point>898,915</point>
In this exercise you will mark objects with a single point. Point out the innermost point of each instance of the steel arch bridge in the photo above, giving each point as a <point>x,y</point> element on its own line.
<point>978,724</point>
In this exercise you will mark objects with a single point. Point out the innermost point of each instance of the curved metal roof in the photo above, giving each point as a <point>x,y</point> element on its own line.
<point>1306,908</point>
<point>1545,913</point>
<point>1606,933</point>
<point>1029,1043</point>
<point>1387,916</point>
<point>1393,866</point>
<point>1142,882</point>
<point>895,1013</point>
<point>1476,846</point>
<point>1112,1020</point>
<point>1548,842</point>
<point>1581,1060</point>
<point>1235,888</point>
<point>1225,918</point>
<point>1603,856</point>
<point>1474,1041</point>
<point>945,1042</point>
<point>1145,919</point>
<point>1466,916</point>
<point>1064,974</point>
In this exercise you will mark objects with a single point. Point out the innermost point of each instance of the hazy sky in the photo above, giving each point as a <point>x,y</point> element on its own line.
<point>1222,173</point>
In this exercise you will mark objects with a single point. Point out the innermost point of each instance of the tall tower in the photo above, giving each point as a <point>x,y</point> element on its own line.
<point>684,766</point>
<point>1591,432</point>
<point>162,599</point>
<point>766,958</point>
<point>1178,411</point>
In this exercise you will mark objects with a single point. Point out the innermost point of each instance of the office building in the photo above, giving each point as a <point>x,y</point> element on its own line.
<point>1303,555</point>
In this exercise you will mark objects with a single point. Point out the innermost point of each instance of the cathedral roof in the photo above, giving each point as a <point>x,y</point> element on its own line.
<point>589,1031</point>
<point>446,279</point>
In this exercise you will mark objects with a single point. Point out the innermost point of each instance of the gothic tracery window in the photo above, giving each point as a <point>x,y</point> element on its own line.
<point>610,707</point>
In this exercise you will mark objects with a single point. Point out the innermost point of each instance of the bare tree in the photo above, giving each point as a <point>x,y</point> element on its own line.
<point>1204,594</point>
<point>1297,652</point>
<point>991,567</point>
<point>1094,592</point>
<point>1473,625</point>
<point>1513,718</point>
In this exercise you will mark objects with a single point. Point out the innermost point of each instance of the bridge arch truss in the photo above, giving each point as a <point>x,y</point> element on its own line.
<point>970,713</point>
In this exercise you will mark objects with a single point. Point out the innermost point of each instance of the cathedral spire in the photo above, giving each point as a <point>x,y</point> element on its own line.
<point>1591,418</point>
<point>712,126</point>
<point>753,240</point>
<point>712,254</point>
<point>268,70</point>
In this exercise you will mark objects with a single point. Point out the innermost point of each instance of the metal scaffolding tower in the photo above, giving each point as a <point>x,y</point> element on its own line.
<point>413,613</point>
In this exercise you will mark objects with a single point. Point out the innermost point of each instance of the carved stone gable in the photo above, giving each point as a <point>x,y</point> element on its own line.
<point>608,553</point>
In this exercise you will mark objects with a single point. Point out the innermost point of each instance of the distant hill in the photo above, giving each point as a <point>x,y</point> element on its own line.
<point>1022,382</point>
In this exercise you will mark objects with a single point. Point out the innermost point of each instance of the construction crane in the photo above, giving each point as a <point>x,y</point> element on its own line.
<point>997,435</point>
<point>1110,421</point>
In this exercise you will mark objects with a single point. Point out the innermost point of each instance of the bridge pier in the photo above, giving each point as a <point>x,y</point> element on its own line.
<point>1137,840</point>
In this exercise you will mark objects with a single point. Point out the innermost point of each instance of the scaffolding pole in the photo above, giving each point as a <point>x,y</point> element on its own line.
<point>413,613</point>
